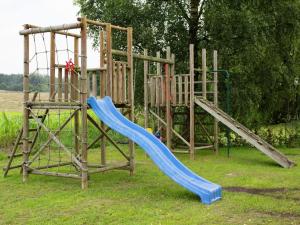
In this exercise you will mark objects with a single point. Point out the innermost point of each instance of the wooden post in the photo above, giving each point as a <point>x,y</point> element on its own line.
<point>25,110</point>
<point>168,99</point>
<point>215,89</point>
<point>76,94</point>
<point>173,81</point>
<point>192,114</point>
<point>103,91</point>
<point>52,67</point>
<point>146,64</point>
<point>130,94</point>
<point>204,73</point>
<point>156,89</point>
<point>109,62</point>
<point>84,174</point>
<point>59,93</point>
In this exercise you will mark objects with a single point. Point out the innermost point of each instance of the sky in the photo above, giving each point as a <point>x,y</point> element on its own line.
<point>15,13</point>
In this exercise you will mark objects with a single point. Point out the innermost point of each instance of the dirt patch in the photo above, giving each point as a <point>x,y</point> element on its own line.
<point>278,193</point>
<point>283,214</point>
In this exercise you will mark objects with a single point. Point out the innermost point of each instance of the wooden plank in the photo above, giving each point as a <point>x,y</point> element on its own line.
<point>192,111</point>
<point>123,86</point>
<point>88,84</point>
<point>119,82</point>
<point>162,84</point>
<point>115,82</point>
<point>180,93</point>
<point>66,86</point>
<point>52,66</point>
<point>158,92</point>
<point>152,91</point>
<point>59,91</point>
<point>94,84</point>
<point>186,90</point>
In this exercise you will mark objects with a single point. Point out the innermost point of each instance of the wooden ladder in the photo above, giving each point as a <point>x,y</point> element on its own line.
<point>19,141</point>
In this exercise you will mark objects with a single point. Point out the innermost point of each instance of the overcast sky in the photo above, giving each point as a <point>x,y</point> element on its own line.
<point>15,13</point>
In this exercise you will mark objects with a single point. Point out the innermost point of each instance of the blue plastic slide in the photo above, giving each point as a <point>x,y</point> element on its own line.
<point>158,152</point>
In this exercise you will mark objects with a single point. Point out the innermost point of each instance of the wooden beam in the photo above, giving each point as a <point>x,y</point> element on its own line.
<point>168,100</point>
<point>146,88</point>
<point>130,95</point>
<point>50,29</point>
<point>215,90</point>
<point>107,136</point>
<point>192,111</point>
<point>83,101</point>
<point>165,124</point>
<point>26,91</point>
<point>103,90</point>
<point>57,32</point>
<point>142,57</point>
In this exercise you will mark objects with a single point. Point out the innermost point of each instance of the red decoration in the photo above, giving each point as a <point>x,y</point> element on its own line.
<point>70,66</point>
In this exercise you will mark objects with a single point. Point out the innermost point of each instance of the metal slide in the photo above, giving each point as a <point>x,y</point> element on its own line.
<point>158,152</point>
<point>245,133</point>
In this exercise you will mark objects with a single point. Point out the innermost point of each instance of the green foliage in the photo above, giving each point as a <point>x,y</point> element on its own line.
<point>258,41</point>
<point>14,82</point>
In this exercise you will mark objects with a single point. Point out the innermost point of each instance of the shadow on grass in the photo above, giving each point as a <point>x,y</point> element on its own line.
<point>277,193</point>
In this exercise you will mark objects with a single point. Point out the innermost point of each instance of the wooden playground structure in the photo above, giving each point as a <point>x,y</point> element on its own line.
<point>167,97</point>
<point>170,97</point>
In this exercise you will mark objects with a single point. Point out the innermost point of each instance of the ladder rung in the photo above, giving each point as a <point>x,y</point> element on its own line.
<point>33,129</point>
<point>29,142</point>
<point>40,117</point>
<point>15,155</point>
<point>13,167</point>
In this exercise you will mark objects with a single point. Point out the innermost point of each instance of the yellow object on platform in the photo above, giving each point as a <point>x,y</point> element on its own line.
<point>149,130</point>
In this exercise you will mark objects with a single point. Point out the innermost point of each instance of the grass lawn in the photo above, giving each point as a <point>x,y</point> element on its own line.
<point>255,191</point>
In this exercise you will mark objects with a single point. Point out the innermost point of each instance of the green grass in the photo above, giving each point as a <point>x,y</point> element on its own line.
<point>149,197</point>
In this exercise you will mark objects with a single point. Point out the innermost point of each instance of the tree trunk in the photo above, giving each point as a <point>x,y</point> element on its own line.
<point>193,28</point>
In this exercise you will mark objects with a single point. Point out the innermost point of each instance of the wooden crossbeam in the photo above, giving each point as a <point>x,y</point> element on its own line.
<point>55,139</point>
<point>165,124</point>
<point>106,135</point>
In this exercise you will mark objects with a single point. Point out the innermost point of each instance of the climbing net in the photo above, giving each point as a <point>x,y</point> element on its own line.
<point>54,77</point>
